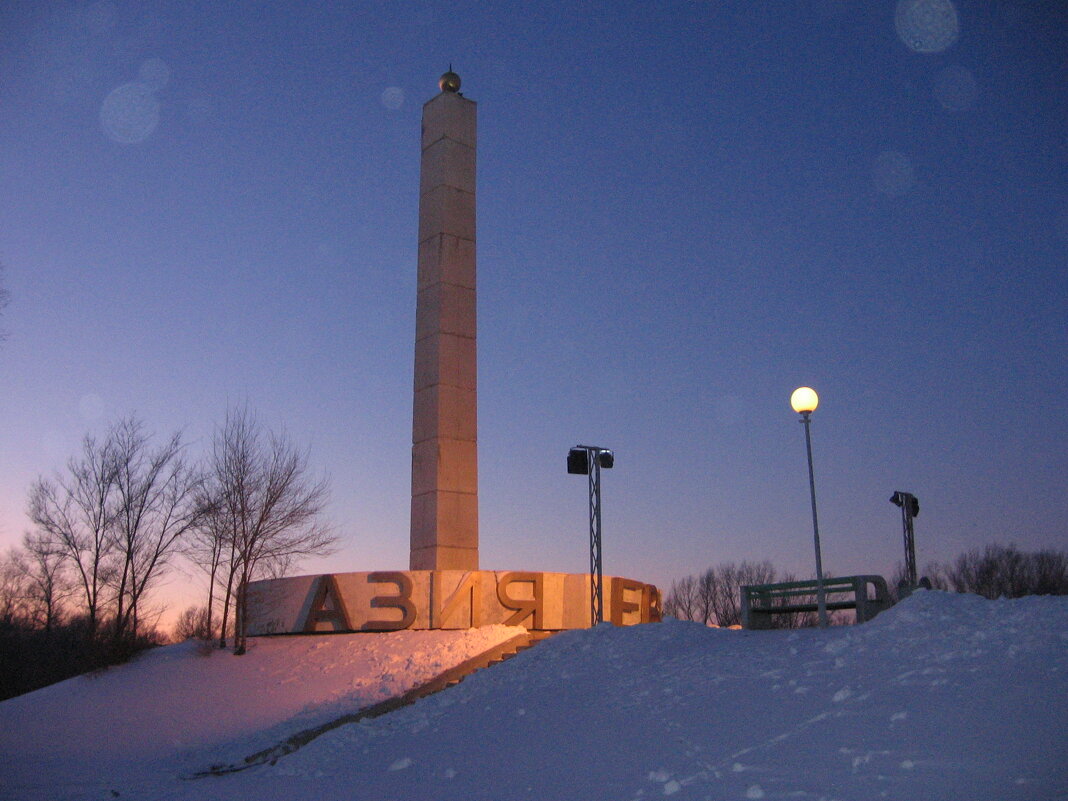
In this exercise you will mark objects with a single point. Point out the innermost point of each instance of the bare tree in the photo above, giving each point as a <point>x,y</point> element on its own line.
<point>212,547</point>
<point>713,597</point>
<point>1049,573</point>
<point>194,623</point>
<point>706,596</point>
<point>155,505</point>
<point>1000,571</point>
<point>727,602</point>
<point>13,588</point>
<point>682,599</point>
<point>74,514</point>
<point>48,583</point>
<point>993,572</point>
<point>267,505</point>
<point>206,544</point>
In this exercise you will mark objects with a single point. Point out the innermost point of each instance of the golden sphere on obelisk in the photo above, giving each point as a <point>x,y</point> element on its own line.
<point>449,82</point>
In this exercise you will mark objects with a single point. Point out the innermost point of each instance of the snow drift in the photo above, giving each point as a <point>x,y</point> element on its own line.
<point>942,697</point>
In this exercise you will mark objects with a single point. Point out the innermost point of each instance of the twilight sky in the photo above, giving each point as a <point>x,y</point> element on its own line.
<point>685,211</point>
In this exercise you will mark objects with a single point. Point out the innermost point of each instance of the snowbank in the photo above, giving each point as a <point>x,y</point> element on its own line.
<point>187,706</point>
<point>942,697</point>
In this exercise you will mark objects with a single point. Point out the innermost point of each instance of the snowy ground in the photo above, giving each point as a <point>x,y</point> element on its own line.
<point>943,697</point>
<point>179,709</point>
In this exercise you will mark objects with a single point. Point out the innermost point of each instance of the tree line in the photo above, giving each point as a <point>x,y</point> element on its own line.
<point>1003,571</point>
<point>994,571</point>
<point>713,597</point>
<point>123,514</point>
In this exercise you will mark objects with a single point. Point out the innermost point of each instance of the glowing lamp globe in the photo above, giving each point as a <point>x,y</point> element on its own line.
<point>804,400</point>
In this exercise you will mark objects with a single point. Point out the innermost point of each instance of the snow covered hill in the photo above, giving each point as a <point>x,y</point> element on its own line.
<point>943,697</point>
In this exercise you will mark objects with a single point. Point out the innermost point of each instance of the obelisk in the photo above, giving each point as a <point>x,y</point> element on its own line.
<point>444,528</point>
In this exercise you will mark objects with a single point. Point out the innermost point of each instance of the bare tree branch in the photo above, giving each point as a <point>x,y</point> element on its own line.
<point>74,514</point>
<point>265,512</point>
<point>155,506</point>
<point>48,582</point>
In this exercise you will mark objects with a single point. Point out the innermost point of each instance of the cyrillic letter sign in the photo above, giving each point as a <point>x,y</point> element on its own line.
<point>442,608</point>
<point>327,607</point>
<point>402,601</point>
<point>524,607</point>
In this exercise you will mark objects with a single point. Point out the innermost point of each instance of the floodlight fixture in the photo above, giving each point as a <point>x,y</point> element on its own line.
<point>906,500</point>
<point>578,462</point>
<point>581,457</point>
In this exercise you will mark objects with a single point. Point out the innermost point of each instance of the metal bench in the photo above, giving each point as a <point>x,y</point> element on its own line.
<point>761,601</point>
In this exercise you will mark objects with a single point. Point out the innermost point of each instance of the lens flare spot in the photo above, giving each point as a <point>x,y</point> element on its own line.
<point>892,174</point>
<point>927,26</point>
<point>393,97</point>
<point>130,113</point>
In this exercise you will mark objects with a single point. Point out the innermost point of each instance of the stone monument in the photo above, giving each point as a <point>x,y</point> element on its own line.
<point>444,587</point>
<point>444,522</point>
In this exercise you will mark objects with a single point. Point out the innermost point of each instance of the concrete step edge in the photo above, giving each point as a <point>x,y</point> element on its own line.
<point>447,678</point>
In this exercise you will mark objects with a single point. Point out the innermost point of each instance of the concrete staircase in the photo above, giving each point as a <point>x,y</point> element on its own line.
<point>494,656</point>
<point>448,678</point>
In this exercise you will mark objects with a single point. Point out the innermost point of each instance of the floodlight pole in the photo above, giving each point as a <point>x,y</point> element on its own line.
<point>909,508</point>
<point>910,544</point>
<point>596,583</point>
<point>588,460</point>
<point>821,597</point>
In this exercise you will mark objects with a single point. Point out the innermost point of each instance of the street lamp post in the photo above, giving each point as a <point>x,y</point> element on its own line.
<point>804,401</point>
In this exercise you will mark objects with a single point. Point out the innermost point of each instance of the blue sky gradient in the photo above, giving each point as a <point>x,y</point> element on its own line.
<point>685,211</point>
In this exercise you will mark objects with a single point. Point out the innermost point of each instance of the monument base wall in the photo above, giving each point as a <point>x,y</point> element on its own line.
<point>441,599</point>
